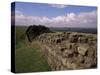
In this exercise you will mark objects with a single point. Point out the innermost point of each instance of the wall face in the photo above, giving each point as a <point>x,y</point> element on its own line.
<point>69,50</point>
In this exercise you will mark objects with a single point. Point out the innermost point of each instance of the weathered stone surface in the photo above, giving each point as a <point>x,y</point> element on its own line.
<point>74,52</point>
<point>82,49</point>
<point>69,50</point>
<point>82,40</point>
<point>79,59</point>
<point>73,38</point>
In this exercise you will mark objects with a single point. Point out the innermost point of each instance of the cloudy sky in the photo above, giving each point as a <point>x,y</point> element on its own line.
<point>55,15</point>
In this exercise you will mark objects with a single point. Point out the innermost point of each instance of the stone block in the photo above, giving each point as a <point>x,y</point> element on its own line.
<point>82,49</point>
<point>82,40</point>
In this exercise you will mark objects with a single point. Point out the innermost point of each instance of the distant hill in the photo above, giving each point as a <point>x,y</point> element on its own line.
<point>83,30</point>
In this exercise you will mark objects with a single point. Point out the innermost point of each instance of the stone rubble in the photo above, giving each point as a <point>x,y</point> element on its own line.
<point>69,50</point>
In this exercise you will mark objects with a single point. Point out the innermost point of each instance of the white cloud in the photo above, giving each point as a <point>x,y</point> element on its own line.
<point>18,12</point>
<point>58,5</point>
<point>83,19</point>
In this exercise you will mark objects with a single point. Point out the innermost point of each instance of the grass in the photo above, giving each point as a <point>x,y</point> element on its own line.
<point>28,57</point>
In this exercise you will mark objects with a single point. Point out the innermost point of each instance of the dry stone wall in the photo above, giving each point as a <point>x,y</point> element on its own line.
<point>69,50</point>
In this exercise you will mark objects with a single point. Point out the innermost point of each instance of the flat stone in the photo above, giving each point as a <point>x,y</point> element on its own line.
<point>82,49</point>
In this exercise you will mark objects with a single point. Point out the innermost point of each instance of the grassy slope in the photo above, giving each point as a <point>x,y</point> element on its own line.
<point>28,56</point>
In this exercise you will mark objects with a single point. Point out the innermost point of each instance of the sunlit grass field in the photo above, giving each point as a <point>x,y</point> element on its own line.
<point>28,57</point>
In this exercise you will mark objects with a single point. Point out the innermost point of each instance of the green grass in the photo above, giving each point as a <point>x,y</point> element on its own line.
<point>28,57</point>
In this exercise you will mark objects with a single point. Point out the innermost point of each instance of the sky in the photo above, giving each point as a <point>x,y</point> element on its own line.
<point>55,15</point>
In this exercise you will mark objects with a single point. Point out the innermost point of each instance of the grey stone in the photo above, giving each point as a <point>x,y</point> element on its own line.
<point>71,52</point>
<point>82,49</point>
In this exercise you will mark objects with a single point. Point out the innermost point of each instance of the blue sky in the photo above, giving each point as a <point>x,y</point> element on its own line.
<point>55,14</point>
<point>40,9</point>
